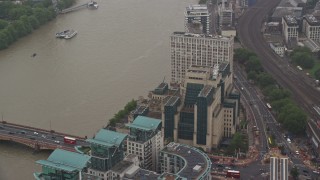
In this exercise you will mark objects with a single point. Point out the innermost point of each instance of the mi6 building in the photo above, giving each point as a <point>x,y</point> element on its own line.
<point>205,110</point>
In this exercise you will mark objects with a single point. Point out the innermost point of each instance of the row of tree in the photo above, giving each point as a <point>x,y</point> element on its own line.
<point>130,106</point>
<point>303,57</point>
<point>18,20</point>
<point>287,112</point>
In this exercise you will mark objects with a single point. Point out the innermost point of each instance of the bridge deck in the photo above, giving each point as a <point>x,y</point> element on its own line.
<point>37,138</point>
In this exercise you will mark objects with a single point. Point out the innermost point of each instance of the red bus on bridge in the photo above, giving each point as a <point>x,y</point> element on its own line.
<point>70,140</point>
<point>233,174</point>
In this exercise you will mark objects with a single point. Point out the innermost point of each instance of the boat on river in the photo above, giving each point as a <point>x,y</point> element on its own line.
<point>93,4</point>
<point>62,34</point>
<point>70,34</point>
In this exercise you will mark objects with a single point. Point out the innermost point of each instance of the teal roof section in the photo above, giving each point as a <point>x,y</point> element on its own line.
<point>65,160</point>
<point>145,123</point>
<point>108,138</point>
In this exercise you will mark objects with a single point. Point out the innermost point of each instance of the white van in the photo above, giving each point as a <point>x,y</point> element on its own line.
<point>300,68</point>
<point>289,141</point>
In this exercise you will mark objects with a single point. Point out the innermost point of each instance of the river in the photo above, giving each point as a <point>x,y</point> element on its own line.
<point>74,86</point>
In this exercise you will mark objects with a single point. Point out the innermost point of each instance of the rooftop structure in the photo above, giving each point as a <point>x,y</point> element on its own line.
<point>188,162</point>
<point>107,150</point>
<point>313,21</point>
<point>290,20</point>
<point>279,12</point>
<point>108,138</point>
<point>197,14</point>
<point>145,123</point>
<point>62,161</point>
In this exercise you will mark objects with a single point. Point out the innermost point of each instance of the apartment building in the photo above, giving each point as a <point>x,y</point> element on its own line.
<point>198,49</point>
<point>145,140</point>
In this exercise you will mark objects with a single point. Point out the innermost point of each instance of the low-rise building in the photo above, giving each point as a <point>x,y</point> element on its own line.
<point>278,48</point>
<point>185,162</point>
<point>311,27</point>
<point>63,164</point>
<point>290,28</point>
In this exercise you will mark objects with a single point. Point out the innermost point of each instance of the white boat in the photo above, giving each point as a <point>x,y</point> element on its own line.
<point>70,34</point>
<point>62,34</point>
<point>93,4</point>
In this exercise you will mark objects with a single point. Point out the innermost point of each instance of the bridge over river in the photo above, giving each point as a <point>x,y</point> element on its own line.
<point>38,138</point>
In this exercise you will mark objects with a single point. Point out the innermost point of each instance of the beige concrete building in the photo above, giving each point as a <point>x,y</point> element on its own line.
<point>198,49</point>
<point>205,111</point>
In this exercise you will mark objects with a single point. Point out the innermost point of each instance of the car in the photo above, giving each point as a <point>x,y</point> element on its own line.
<point>35,133</point>
<point>22,132</point>
<point>10,132</point>
<point>316,172</point>
<point>43,136</point>
<point>32,138</point>
<point>288,139</point>
<point>242,88</point>
<point>53,137</point>
<point>297,153</point>
<point>305,171</point>
<point>58,142</point>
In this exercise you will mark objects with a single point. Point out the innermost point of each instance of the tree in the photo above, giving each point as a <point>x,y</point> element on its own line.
<point>242,55</point>
<point>294,173</point>
<point>265,79</point>
<point>303,58</point>
<point>3,24</point>
<point>237,142</point>
<point>252,75</point>
<point>317,74</point>
<point>253,64</point>
<point>277,94</point>
<point>34,22</point>
<point>3,40</point>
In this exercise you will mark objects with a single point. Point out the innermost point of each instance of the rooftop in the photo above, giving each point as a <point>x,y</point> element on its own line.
<point>197,7</point>
<point>108,138</point>
<point>171,100</point>
<point>279,12</point>
<point>145,123</point>
<point>140,109</point>
<point>192,157</point>
<point>313,21</point>
<point>290,20</point>
<point>144,174</point>
<point>205,91</point>
<point>184,34</point>
<point>121,166</point>
<point>65,160</point>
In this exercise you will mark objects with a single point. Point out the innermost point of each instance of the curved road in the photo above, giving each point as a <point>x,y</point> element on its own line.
<point>249,29</point>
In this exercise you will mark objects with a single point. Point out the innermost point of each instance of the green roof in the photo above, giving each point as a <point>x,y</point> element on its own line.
<point>145,123</point>
<point>65,160</point>
<point>108,138</point>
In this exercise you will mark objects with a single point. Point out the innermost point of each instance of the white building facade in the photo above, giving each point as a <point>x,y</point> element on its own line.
<point>195,49</point>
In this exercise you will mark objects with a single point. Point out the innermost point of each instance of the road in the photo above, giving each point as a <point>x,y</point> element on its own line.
<point>250,34</point>
<point>262,117</point>
<point>37,135</point>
